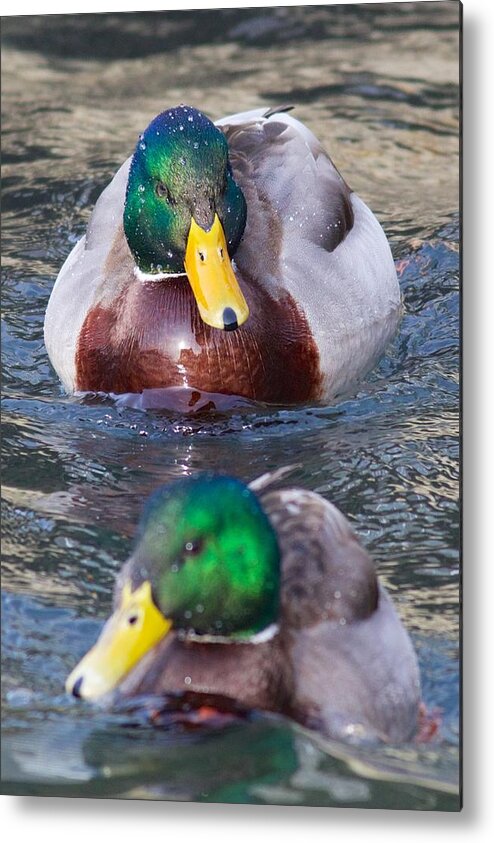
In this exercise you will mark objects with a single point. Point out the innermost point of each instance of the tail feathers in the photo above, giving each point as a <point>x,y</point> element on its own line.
<point>269,479</point>
<point>278,109</point>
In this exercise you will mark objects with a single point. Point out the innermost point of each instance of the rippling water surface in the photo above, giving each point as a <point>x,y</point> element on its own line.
<point>378,84</point>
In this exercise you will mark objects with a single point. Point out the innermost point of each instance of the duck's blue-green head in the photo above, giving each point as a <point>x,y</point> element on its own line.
<point>206,564</point>
<point>184,211</point>
<point>211,554</point>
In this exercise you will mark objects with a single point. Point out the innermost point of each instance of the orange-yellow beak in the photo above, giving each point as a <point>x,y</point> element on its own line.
<point>134,629</point>
<point>219,298</point>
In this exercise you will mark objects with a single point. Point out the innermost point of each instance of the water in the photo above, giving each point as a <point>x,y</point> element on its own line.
<point>379,86</point>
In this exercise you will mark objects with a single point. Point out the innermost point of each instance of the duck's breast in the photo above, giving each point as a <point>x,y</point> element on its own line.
<point>151,336</point>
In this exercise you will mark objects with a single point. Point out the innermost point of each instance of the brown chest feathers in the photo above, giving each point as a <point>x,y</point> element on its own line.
<point>153,337</point>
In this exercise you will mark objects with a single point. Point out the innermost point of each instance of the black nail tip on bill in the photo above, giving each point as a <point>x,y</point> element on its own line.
<point>230,319</point>
<point>76,690</point>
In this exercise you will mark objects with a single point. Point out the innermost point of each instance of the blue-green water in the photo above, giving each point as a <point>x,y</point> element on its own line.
<point>379,86</point>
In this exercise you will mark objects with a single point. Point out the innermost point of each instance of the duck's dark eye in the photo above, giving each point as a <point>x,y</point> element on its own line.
<point>163,193</point>
<point>193,547</point>
<point>132,619</point>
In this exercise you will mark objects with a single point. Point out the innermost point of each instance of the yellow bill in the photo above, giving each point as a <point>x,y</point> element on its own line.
<point>135,627</point>
<point>219,298</point>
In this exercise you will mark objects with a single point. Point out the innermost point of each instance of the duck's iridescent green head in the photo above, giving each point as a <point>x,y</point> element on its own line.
<point>181,188</point>
<point>206,564</point>
<point>212,557</point>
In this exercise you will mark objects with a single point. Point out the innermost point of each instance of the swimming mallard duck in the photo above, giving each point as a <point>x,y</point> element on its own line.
<point>228,257</point>
<point>263,596</point>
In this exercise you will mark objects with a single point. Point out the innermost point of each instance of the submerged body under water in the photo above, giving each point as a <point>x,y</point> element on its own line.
<point>378,86</point>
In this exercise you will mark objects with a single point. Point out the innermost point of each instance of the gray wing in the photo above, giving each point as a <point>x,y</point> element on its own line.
<point>272,156</point>
<point>327,574</point>
<point>354,670</point>
<point>308,234</point>
<point>358,681</point>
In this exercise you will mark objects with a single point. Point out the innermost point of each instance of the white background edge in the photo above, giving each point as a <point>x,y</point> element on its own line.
<point>78,820</point>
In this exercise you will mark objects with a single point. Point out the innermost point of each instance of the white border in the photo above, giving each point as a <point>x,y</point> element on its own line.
<point>56,820</point>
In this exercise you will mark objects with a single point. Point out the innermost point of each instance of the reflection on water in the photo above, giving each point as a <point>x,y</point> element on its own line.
<point>379,86</point>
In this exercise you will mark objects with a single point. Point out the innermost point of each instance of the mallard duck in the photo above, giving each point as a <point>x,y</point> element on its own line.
<point>260,595</point>
<point>230,257</point>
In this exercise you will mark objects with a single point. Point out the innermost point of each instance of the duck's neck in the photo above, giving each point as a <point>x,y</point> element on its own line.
<point>261,637</point>
<point>156,276</point>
